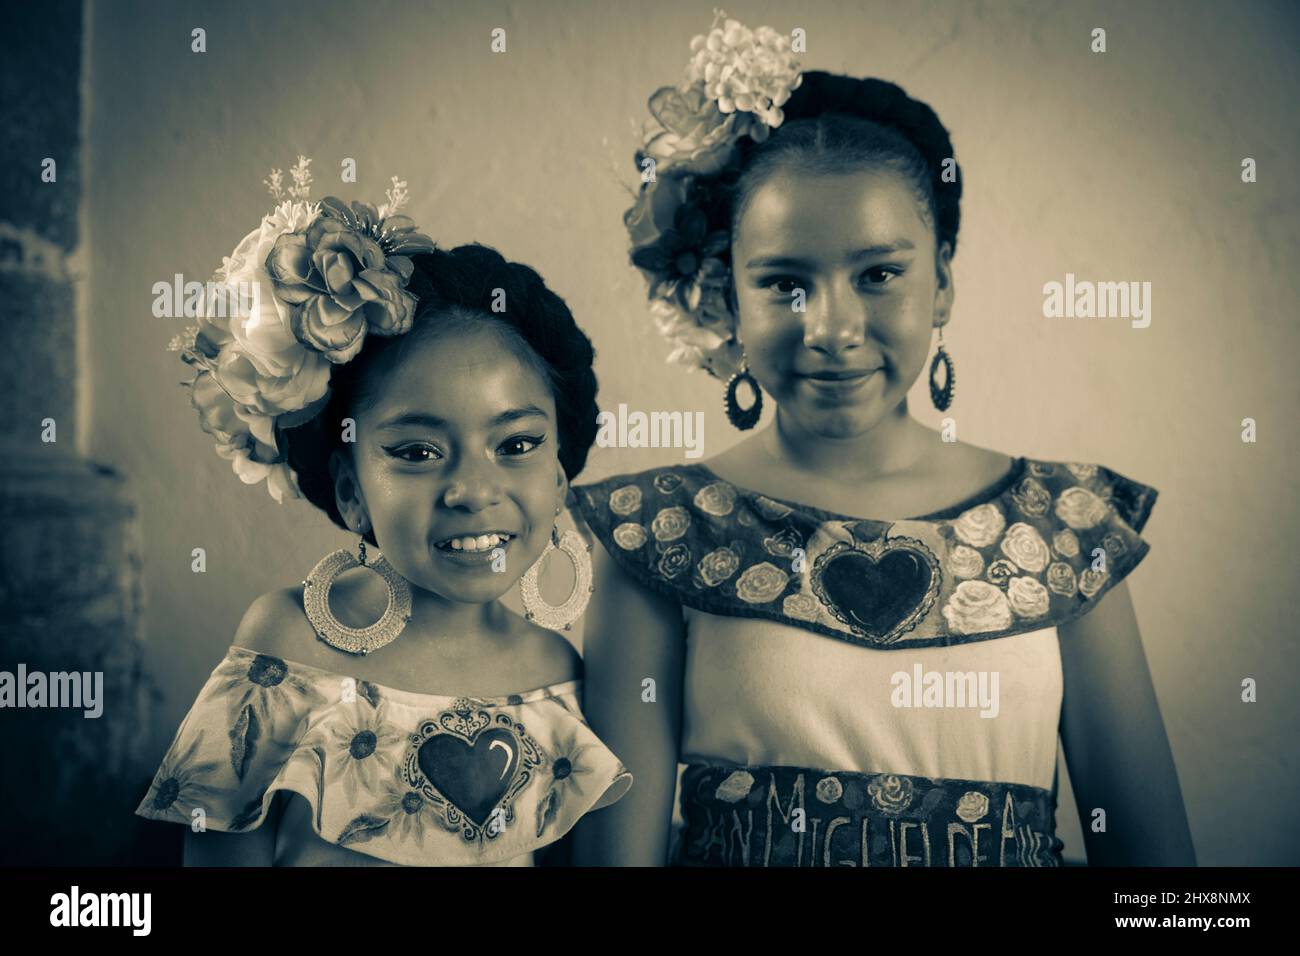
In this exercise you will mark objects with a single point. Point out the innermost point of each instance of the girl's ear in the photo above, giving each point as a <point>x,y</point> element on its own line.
<point>562,483</point>
<point>944,291</point>
<point>347,492</point>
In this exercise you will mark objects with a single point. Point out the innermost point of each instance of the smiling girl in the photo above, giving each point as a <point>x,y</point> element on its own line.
<point>405,716</point>
<point>773,595</point>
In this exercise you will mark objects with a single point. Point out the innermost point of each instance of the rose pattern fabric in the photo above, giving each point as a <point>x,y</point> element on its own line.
<point>670,524</point>
<point>966,562</point>
<point>626,500</point>
<point>1039,550</point>
<point>630,536</point>
<point>718,565</point>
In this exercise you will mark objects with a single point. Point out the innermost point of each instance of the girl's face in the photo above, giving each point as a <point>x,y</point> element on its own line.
<point>457,465</point>
<point>872,290</point>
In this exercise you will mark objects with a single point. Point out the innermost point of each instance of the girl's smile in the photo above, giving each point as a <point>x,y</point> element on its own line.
<point>457,464</point>
<point>475,552</point>
<point>839,386</point>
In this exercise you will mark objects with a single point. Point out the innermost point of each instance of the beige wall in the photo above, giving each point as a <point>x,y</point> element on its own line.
<point>1122,166</point>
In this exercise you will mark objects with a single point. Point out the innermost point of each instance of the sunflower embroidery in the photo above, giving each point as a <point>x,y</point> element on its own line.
<point>258,690</point>
<point>177,790</point>
<point>359,745</point>
<point>566,767</point>
<point>401,814</point>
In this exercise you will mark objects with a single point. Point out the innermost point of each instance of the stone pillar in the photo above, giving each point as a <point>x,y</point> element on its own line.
<point>70,562</point>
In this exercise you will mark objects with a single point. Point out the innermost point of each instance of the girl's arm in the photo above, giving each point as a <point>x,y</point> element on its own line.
<point>256,848</point>
<point>1115,744</point>
<point>631,634</point>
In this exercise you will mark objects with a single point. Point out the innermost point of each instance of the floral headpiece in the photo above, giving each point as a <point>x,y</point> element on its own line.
<point>323,276</point>
<point>735,84</point>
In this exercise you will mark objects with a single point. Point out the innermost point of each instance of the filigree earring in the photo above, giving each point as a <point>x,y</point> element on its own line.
<point>942,395</point>
<point>743,418</point>
<point>559,616</point>
<point>355,640</point>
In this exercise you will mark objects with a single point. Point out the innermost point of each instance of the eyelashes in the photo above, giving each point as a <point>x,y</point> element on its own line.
<point>402,452</point>
<point>399,452</point>
<point>771,284</point>
<point>534,440</point>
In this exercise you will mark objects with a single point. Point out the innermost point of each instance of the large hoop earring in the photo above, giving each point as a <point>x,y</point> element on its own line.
<point>559,616</point>
<point>355,640</point>
<point>743,418</point>
<point>942,396</point>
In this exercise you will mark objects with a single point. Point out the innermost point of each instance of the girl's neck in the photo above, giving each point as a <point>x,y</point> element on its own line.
<point>893,444</point>
<point>450,622</point>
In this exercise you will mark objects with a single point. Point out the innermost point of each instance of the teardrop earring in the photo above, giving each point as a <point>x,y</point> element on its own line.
<point>743,418</point>
<point>941,396</point>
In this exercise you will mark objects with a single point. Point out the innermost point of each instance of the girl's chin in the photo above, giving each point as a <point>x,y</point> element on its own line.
<point>842,422</point>
<point>470,591</point>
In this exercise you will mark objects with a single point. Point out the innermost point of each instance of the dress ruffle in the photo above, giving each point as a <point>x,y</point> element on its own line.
<point>1039,551</point>
<point>409,778</point>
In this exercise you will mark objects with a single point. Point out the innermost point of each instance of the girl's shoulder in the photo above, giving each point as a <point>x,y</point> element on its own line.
<point>276,624</point>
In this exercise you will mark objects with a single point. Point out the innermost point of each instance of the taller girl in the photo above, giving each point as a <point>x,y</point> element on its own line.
<point>860,638</point>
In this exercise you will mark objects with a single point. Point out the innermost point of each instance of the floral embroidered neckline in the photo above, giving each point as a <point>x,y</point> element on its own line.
<point>1036,549</point>
<point>995,490</point>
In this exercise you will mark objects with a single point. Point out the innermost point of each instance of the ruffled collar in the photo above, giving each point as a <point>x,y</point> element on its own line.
<point>410,778</point>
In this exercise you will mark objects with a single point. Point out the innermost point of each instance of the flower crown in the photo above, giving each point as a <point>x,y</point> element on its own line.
<point>311,282</point>
<point>734,86</point>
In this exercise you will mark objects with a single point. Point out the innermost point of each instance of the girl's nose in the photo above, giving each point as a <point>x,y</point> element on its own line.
<point>835,322</point>
<point>472,489</point>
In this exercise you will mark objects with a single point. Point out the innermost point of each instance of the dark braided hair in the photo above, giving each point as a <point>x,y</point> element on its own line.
<point>835,123</point>
<point>457,289</point>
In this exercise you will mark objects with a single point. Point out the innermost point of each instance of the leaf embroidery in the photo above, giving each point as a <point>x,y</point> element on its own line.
<point>369,691</point>
<point>243,740</point>
<point>546,810</point>
<point>250,813</point>
<point>362,828</point>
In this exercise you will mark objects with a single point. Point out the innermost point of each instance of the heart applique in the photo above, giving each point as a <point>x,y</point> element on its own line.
<point>880,589</point>
<point>473,776</point>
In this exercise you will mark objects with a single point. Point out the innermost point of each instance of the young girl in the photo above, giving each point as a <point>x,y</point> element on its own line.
<point>435,403</point>
<point>847,685</point>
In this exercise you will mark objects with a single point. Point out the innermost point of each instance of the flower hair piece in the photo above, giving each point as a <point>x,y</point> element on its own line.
<point>735,85</point>
<point>311,282</point>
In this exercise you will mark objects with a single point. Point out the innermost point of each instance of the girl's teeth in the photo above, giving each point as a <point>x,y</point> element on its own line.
<point>480,543</point>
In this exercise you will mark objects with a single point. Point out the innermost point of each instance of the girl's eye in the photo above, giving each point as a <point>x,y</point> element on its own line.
<point>521,444</point>
<point>883,273</point>
<point>785,285</point>
<point>403,452</point>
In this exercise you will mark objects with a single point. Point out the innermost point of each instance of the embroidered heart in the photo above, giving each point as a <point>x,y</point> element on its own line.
<point>472,776</point>
<point>879,591</point>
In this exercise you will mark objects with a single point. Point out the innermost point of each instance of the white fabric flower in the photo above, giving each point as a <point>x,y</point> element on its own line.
<point>744,70</point>
<point>266,336</point>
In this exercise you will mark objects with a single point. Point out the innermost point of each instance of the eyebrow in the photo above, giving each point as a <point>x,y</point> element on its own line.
<point>433,421</point>
<point>794,262</point>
